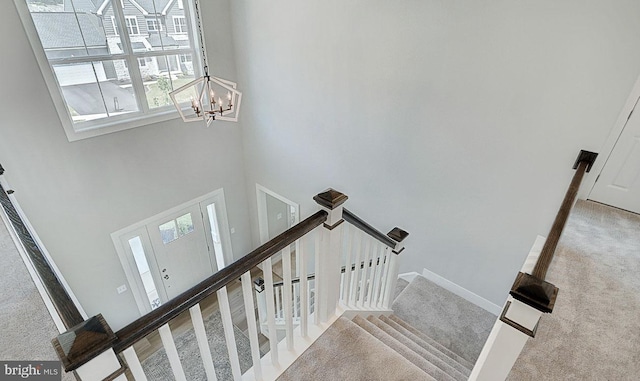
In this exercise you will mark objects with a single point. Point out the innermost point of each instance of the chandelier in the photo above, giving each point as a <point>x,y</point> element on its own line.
<point>207,98</point>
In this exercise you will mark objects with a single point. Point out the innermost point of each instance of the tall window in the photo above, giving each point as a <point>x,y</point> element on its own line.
<point>101,79</point>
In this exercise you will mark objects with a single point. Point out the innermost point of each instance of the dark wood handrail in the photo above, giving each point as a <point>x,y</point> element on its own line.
<point>550,245</point>
<point>61,300</point>
<point>163,314</point>
<point>533,289</point>
<point>358,222</point>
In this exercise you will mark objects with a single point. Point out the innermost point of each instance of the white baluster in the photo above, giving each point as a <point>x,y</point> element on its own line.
<point>134,364</point>
<point>385,272</point>
<point>347,266</point>
<point>356,270</point>
<point>227,324</point>
<point>271,314</point>
<point>304,289</point>
<point>373,278</point>
<point>296,299</point>
<point>251,323</point>
<point>392,278</point>
<point>203,342</point>
<point>172,352</point>
<point>278,290</point>
<point>365,269</point>
<point>318,281</point>
<point>287,297</point>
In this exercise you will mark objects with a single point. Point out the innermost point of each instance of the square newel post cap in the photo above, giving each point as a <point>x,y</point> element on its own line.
<point>83,342</point>
<point>586,156</point>
<point>534,292</point>
<point>399,236</point>
<point>330,198</point>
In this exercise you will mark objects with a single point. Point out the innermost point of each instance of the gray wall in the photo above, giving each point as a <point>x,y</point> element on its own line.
<point>77,194</point>
<point>455,120</point>
<point>274,207</point>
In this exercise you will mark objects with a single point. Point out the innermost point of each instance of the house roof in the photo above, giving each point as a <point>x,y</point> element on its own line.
<point>63,30</point>
<point>81,5</point>
<point>167,41</point>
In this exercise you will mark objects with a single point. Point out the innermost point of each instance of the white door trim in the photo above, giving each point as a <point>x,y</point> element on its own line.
<point>607,148</point>
<point>128,262</point>
<point>261,194</point>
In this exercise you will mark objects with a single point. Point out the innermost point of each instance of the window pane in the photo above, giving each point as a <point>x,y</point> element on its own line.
<point>163,74</point>
<point>117,91</point>
<point>145,274</point>
<point>64,33</point>
<point>94,90</point>
<point>81,91</point>
<point>185,224</point>
<point>168,232</point>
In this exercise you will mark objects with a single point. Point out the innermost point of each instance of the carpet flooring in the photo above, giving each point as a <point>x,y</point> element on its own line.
<point>26,328</point>
<point>594,330</point>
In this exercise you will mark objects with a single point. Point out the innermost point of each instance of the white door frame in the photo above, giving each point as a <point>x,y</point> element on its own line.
<point>139,229</point>
<point>263,225</point>
<point>607,148</point>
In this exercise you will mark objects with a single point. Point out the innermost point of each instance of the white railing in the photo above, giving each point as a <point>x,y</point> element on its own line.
<point>303,308</point>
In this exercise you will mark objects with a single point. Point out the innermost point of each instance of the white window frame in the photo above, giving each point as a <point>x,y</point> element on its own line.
<point>180,4</point>
<point>131,26</point>
<point>145,115</point>
<point>182,26</point>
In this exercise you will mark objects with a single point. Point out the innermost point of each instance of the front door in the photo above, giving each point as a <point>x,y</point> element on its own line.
<point>180,246</point>
<point>619,182</point>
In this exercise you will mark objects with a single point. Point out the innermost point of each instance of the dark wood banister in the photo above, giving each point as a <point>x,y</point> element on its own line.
<point>61,300</point>
<point>356,221</point>
<point>532,289</point>
<point>550,245</point>
<point>163,314</point>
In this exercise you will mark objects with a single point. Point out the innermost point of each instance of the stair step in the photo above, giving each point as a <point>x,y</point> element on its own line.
<point>403,350</point>
<point>451,320</point>
<point>347,352</point>
<point>429,344</point>
<point>427,355</point>
<point>429,341</point>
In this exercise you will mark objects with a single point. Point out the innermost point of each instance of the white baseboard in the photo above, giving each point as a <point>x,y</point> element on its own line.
<point>462,292</point>
<point>409,277</point>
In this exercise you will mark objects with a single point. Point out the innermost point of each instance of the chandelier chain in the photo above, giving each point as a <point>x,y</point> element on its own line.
<point>204,55</point>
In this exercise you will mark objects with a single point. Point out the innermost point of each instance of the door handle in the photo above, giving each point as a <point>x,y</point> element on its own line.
<point>166,277</point>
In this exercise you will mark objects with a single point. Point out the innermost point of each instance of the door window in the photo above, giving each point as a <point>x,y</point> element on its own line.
<point>145,273</point>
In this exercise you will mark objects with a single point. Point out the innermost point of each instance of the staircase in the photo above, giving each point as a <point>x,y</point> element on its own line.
<point>392,347</point>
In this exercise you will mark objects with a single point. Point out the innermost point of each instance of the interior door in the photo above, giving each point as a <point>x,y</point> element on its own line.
<point>619,181</point>
<point>181,251</point>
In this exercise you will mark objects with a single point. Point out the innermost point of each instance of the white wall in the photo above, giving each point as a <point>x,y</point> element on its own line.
<point>76,194</point>
<point>455,120</point>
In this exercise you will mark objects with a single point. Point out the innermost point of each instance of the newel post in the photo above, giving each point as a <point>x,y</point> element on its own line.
<point>328,274</point>
<point>529,298</point>
<point>86,349</point>
<point>398,235</point>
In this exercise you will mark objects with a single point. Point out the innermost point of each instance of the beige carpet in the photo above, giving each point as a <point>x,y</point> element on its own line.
<point>594,331</point>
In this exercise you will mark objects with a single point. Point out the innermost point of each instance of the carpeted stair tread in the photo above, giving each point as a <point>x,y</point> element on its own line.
<point>347,352</point>
<point>400,286</point>
<point>454,322</point>
<point>428,343</point>
<point>402,349</point>
<point>443,362</point>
